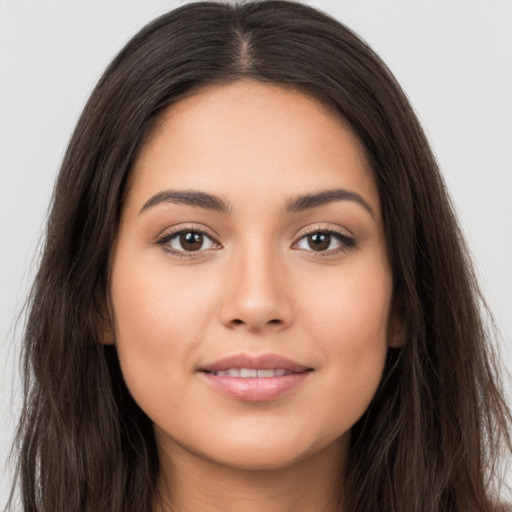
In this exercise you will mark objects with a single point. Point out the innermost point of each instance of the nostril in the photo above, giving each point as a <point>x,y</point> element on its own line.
<point>275,321</point>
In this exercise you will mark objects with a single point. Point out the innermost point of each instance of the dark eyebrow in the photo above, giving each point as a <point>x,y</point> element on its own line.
<point>305,202</point>
<point>189,197</point>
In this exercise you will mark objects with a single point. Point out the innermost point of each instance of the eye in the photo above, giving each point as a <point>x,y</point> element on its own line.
<point>187,240</point>
<point>325,241</point>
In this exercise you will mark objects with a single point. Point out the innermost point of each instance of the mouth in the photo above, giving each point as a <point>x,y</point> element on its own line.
<point>255,379</point>
<point>244,365</point>
<point>248,373</point>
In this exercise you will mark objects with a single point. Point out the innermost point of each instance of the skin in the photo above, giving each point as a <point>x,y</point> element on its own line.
<point>255,286</point>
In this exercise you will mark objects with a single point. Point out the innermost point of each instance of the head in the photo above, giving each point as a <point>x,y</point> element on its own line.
<point>408,428</point>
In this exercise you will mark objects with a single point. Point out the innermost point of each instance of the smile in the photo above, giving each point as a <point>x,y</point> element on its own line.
<point>255,378</point>
<point>245,373</point>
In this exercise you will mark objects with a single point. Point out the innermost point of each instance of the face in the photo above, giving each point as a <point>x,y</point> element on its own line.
<point>250,284</point>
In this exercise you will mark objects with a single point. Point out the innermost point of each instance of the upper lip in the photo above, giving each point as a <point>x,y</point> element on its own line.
<point>261,362</point>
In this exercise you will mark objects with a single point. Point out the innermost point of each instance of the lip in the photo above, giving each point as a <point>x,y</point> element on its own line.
<point>261,362</point>
<point>255,389</point>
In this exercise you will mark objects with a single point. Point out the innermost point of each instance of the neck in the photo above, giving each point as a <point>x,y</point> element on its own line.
<point>189,483</point>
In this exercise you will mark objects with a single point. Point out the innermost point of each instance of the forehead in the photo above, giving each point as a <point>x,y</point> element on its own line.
<point>250,137</point>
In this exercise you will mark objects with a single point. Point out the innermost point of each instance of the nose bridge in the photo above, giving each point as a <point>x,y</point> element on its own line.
<point>256,294</point>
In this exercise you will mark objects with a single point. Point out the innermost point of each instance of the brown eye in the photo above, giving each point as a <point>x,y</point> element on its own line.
<point>191,241</point>
<point>187,241</point>
<point>329,242</point>
<point>319,241</point>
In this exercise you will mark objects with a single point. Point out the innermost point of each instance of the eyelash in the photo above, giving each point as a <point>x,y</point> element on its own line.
<point>165,240</point>
<point>346,242</point>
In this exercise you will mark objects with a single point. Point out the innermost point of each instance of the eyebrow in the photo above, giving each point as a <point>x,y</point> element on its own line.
<point>308,201</point>
<point>215,203</point>
<point>188,197</point>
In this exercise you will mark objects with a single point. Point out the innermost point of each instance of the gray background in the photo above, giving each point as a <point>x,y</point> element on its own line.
<point>452,57</point>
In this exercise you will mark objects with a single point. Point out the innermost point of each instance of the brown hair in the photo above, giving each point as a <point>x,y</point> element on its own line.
<point>435,428</point>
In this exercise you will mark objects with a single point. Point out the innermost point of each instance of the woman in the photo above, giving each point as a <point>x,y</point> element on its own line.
<point>254,293</point>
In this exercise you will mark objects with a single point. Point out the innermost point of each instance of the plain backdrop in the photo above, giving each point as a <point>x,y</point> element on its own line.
<point>452,57</point>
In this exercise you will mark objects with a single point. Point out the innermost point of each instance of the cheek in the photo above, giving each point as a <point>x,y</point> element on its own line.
<point>348,321</point>
<point>160,319</point>
<point>350,307</point>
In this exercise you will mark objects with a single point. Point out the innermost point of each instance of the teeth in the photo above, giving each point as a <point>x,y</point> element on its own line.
<point>246,372</point>
<point>251,373</point>
<point>233,372</point>
<point>266,373</point>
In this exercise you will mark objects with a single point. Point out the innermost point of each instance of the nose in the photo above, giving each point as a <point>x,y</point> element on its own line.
<point>257,293</point>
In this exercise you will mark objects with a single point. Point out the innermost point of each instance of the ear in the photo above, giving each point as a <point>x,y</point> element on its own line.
<point>105,323</point>
<point>397,332</point>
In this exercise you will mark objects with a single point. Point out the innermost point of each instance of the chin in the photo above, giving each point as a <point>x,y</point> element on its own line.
<point>271,453</point>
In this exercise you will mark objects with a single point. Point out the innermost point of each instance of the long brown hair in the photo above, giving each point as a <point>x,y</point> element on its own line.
<point>437,424</point>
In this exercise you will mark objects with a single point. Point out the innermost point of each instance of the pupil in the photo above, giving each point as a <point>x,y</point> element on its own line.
<point>191,241</point>
<point>319,241</point>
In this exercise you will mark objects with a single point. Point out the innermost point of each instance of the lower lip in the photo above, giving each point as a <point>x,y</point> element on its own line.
<point>256,389</point>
